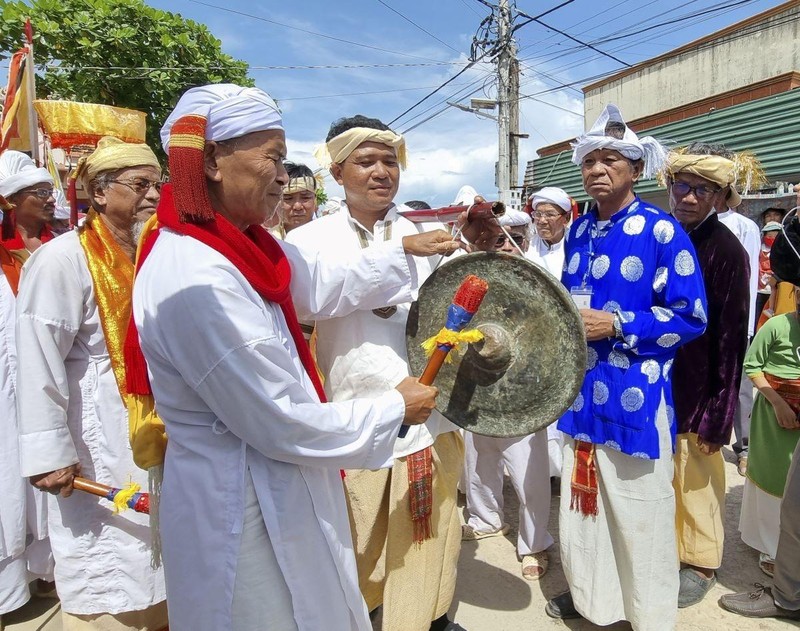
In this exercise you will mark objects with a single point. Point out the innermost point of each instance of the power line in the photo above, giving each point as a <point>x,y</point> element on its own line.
<point>410,21</point>
<point>302,30</point>
<point>330,96</point>
<point>576,40</point>
<point>195,68</point>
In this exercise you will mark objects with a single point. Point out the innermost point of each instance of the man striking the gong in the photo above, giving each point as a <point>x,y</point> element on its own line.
<point>633,273</point>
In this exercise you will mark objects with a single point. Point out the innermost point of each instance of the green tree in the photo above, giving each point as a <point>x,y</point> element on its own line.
<point>118,52</point>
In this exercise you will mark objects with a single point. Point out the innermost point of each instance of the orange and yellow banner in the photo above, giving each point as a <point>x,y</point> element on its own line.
<point>69,124</point>
<point>15,122</point>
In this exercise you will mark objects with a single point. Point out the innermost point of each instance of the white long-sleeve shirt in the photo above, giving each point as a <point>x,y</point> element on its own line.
<point>69,411</point>
<point>550,257</point>
<point>362,354</point>
<point>230,386</point>
<point>749,235</point>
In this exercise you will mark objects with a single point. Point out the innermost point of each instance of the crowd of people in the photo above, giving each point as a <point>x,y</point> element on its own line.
<point>223,343</point>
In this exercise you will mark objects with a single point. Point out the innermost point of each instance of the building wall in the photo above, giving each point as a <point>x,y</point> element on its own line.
<point>700,70</point>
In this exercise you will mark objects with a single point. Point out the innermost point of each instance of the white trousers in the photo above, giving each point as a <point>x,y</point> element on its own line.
<point>13,583</point>
<point>261,598</point>
<point>528,466</point>
<point>623,563</point>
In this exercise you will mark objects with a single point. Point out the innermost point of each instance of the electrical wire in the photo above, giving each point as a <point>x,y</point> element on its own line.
<point>302,30</point>
<point>410,21</point>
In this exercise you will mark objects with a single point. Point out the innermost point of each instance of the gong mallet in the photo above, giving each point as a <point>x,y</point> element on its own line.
<point>140,502</point>
<point>465,304</point>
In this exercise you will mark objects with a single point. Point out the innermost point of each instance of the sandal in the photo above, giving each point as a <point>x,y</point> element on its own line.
<point>767,564</point>
<point>533,563</point>
<point>468,533</point>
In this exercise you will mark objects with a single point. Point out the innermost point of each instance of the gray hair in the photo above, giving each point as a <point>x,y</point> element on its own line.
<point>710,149</point>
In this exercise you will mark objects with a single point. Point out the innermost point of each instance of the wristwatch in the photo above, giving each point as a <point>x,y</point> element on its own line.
<point>618,327</point>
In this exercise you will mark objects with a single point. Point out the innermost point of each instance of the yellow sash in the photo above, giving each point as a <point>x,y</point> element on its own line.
<point>112,277</point>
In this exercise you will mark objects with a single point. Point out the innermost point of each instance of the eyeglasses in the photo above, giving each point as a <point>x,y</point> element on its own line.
<point>141,185</point>
<point>516,238</point>
<point>41,193</point>
<point>543,215</point>
<point>700,192</point>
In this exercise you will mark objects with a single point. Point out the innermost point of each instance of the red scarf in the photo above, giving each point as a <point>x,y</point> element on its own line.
<point>16,242</point>
<point>254,252</point>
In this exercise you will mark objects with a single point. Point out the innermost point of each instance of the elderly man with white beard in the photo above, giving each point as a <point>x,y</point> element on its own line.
<point>73,309</point>
<point>253,503</point>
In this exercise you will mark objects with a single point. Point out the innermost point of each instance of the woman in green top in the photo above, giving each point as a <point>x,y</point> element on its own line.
<point>773,363</point>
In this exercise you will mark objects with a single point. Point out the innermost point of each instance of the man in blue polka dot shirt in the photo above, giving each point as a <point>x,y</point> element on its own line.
<point>633,273</point>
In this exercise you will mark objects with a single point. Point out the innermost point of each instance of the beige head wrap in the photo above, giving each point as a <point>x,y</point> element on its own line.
<point>112,154</point>
<point>339,147</point>
<point>715,169</point>
<point>298,184</point>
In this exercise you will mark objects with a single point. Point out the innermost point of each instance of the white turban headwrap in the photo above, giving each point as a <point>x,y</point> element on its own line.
<point>18,171</point>
<point>512,218</point>
<point>647,149</point>
<point>339,147</point>
<point>230,111</point>
<point>552,195</point>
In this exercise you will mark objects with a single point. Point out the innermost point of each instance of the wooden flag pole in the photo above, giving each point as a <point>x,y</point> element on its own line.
<point>33,119</point>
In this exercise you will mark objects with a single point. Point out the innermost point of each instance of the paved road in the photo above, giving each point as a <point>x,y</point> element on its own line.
<point>492,595</point>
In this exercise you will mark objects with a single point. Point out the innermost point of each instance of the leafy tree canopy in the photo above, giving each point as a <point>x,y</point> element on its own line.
<point>118,52</point>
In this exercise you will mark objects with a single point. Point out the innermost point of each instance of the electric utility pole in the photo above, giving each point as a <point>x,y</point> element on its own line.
<point>508,108</point>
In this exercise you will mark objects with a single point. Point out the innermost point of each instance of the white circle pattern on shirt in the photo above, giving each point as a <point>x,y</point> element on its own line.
<point>660,280</point>
<point>577,405</point>
<point>651,368</point>
<point>627,316</point>
<point>667,368</point>
<point>581,229</point>
<point>668,340</point>
<point>574,262</point>
<point>619,360</point>
<point>591,358</point>
<point>699,312</point>
<point>600,266</point>
<point>599,393</point>
<point>634,225</point>
<point>631,268</point>
<point>684,263</point>
<point>662,314</point>
<point>679,304</point>
<point>611,306</point>
<point>663,231</point>
<point>632,399</point>
<point>612,444</point>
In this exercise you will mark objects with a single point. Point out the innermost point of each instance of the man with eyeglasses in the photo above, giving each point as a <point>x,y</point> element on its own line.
<point>550,210</point>
<point>73,311</point>
<point>299,200</point>
<point>525,459</point>
<point>30,190</point>
<point>632,272</point>
<point>707,371</point>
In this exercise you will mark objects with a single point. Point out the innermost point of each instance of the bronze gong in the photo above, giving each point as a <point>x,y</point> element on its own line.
<point>530,365</point>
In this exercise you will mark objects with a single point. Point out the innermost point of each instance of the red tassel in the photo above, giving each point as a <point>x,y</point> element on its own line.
<point>136,379</point>
<point>187,170</point>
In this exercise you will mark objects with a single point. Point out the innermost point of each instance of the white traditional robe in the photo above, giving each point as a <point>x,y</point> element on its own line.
<point>235,397</point>
<point>550,257</point>
<point>362,354</point>
<point>13,493</point>
<point>70,411</point>
<point>749,235</point>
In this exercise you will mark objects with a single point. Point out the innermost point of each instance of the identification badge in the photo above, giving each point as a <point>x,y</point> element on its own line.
<point>582,297</point>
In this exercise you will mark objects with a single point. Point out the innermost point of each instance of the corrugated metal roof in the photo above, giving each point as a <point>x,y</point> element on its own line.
<point>769,127</point>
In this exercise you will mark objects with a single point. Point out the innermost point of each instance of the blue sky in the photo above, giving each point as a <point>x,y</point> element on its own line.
<point>454,148</point>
